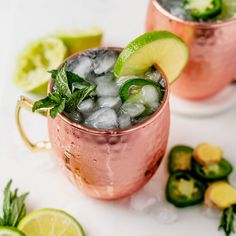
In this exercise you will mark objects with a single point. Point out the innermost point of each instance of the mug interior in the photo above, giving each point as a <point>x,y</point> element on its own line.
<point>223,23</point>
<point>132,128</point>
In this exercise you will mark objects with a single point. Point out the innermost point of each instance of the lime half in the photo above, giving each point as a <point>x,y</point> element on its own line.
<point>10,231</point>
<point>50,222</point>
<point>78,40</point>
<point>160,48</point>
<point>34,62</point>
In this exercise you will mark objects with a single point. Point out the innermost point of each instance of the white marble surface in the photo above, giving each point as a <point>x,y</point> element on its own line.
<point>24,20</point>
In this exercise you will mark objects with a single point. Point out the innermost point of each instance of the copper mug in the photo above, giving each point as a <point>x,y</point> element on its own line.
<point>212,64</point>
<point>105,164</point>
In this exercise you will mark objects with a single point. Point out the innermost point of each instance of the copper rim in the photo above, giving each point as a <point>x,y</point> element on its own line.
<point>192,23</point>
<point>116,131</point>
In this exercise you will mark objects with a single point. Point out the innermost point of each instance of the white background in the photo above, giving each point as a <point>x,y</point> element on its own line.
<point>123,20</point>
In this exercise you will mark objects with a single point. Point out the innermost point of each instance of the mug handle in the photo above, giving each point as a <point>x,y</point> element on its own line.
<point>27,104</point>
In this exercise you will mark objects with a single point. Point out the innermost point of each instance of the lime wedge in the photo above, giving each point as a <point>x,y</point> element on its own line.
<point>34,62</point>
<point>78,40</point>
<point>10,231</point>
<point>50,222</point>
<point>159,48</point>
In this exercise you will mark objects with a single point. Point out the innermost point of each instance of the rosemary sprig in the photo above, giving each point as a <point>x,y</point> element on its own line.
<point>14,208</point>
<point>227,221</point>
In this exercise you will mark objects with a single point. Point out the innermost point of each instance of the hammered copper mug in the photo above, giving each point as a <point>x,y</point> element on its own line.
<point>212,63</point>
<point>105,164</point>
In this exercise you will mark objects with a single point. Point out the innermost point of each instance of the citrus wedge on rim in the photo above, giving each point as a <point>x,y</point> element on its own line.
<point>158,48</point>
<point>34,62</point>
<point>10,231</point>
<point>50,222</point>
<point>78,40</point>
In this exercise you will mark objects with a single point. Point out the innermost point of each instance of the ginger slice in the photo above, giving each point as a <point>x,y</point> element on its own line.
<point>221,195</point>
<point>207,154</point>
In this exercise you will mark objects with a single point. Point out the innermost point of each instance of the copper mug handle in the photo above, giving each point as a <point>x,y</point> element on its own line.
<point>27,104</point>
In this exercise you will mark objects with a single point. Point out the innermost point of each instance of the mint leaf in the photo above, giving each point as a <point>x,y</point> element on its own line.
<point>227,221</point>
<point>14,208</point>
<point>70,91</point>
<point>51,100</point>
<point>57,109</point>
<point>75,79</point>
<point>61,82</point>
<point>43,103</point>
<point>77,97</point>
<point>53,73</point>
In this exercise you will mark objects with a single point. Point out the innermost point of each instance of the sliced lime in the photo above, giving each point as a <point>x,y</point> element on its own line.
<point>78,40</point>
<point>228,10</point>
<point>10,231</point>
<point>160,48</point>
<point>51,222</point>
<point>34,62</point>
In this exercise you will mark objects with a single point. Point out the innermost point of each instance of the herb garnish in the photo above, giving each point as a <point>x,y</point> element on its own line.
<point>14,208</point>
<point>70,91</point>
<point>227,221</point>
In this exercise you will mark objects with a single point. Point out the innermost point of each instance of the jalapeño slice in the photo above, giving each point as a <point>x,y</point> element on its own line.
<point>134,86</point>
<point>180,158</point>
<point>212,172</point>
<point>183,190</point>
<point>203,10</point>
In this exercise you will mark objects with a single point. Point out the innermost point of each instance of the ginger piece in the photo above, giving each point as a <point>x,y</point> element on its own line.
<point>221,195</point>
<point>206,154</point>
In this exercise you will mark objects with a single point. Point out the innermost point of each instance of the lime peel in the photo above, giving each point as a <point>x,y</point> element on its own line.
<point>34,62</point>
<point>78,40</point>
<point>10,231</point>
<point>51,222</point>
<point>160,48</point>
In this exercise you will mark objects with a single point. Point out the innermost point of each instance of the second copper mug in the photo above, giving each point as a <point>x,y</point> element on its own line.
<point>212,64</point>
<point>105,164</point>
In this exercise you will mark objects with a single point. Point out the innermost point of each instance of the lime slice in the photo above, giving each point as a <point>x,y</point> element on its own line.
<point>34,62</point>
<point>50,222</point>
<point>10,231</point>
<point>78,40</point>
<point>228,10</point>
<point>160,48</point>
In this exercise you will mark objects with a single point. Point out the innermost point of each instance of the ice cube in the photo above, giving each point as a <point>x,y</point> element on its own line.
<point>142,201</point>
<point>104,62</point>
<point>212,213</point>
<point>162,83</point>
<point>175,7</point>
<point>132,109</point>
<point>124,121</point>
<point>106,86</point>
<point>150,96</point>
<point>164,213</point>
<point>77,85</point>
<point>83,67</point>
<point>104,118</point>
<point>153,75</point>
<point>112,102</point>
<point>179,12</point>
<point>74,116</point>
<point>121,80</point>
<point>86,106</point>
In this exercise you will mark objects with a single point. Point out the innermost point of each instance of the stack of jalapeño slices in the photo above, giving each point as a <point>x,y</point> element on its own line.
<point>192,171</point>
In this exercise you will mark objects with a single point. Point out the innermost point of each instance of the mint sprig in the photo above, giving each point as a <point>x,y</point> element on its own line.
<point>70,91</point>
<point>14,208</point>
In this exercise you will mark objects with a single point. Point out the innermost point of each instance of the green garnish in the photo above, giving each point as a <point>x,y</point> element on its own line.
<point>70,91</point>
<point>227,221</point>
<point>203,10</point>
<point>14,208</point>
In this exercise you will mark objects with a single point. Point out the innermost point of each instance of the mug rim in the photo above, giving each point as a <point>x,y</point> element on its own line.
<point>163,11</point>
<point>130,129</point>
